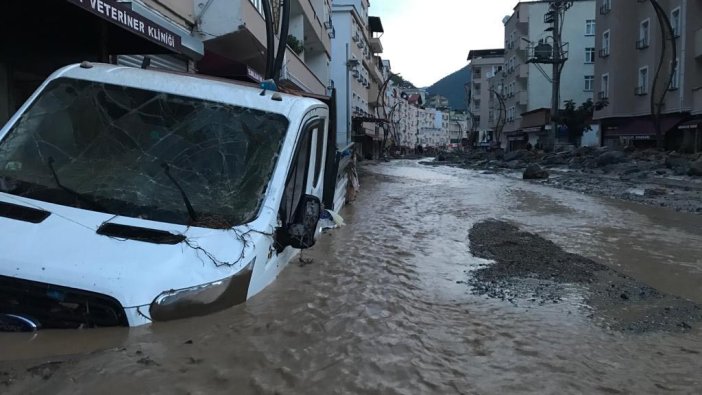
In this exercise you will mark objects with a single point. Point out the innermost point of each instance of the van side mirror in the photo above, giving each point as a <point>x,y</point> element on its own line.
<point>300,233</point>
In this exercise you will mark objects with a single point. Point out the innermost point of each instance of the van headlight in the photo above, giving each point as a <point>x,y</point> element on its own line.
<point>202,299</point>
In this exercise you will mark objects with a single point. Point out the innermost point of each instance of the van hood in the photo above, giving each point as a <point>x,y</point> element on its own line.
<point>65,249</point>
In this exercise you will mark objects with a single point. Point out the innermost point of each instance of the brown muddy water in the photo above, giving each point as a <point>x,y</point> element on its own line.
<point>383,308</point>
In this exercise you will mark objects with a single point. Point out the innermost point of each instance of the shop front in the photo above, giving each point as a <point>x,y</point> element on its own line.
<point>638,132</point>
<point>37,39</point>
<point>689,135</point>
<point>516,140</point>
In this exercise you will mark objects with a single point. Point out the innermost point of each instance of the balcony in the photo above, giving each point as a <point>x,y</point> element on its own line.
<point>376,45</point>
<point>296,72</point>
<point>641,91</point>
<point>605,9</point>
<point>602,95</point>
<point>642,44</point>
<point>604,53</point>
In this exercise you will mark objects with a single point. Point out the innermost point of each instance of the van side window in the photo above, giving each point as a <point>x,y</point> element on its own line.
<point>297,178</point>
<point>319,156</point>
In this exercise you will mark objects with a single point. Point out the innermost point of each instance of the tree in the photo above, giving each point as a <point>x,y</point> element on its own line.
<point>577,120</point>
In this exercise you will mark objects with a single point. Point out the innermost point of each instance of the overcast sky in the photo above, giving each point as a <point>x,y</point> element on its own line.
<point>427,40</point>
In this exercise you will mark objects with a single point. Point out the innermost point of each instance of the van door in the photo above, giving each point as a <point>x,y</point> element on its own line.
<point>306,174</point>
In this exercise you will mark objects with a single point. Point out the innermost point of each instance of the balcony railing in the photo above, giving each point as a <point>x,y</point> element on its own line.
<point>602,95</point>
<point>641,91</point>
<point>605,9</point>
<point>604,52</point>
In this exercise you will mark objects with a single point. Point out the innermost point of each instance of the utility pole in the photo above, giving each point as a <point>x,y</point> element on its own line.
<point>556,75</point>
<point>556,13</point>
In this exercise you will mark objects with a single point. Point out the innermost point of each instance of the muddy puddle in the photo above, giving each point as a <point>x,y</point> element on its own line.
<point>384,308</point>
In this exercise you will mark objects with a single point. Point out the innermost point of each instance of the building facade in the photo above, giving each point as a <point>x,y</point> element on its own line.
<point>36,41</point>
<point>483,65</point>
<point>630,48</point>
<point>356,67</point>
<point>219,38</point>
<point>234,33</point>
<point>527,85</point>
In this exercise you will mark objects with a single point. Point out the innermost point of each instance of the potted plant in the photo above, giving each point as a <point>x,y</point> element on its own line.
<point>295,44</point>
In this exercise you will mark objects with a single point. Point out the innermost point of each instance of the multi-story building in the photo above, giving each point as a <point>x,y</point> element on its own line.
<point>457,128</point>
<point>483,65</point>
<point>37,40</point>
<point>527,85</point>
<point>355,69</point>
<point>437,101</point>
<point>234,33</point>
<point>630,48</point>
<point>220,38</point>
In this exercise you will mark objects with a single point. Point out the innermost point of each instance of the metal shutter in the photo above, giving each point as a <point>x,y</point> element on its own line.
<point>163,62</point>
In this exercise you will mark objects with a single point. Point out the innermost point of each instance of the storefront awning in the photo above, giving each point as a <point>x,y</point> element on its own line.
<point>533,129</point>
<point>640,127</point>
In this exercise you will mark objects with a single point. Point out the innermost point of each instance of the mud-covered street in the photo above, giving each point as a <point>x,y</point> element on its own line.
<point>444,280</point>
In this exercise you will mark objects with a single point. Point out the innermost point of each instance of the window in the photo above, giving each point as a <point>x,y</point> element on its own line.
<point>604,93</point>
<point>675,81</point>
<point>589,83</point>
<point>642,88</point>
<point>606,7</point>
<point>644,35</point>
<point>604,52</point>
<point>675,21</point>
<point>589,55</point>
<point>590,27</point>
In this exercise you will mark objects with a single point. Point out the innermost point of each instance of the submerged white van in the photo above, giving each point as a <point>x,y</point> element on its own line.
<point>129,196</point>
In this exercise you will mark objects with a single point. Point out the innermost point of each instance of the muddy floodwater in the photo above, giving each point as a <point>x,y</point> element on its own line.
<point>384,306</point>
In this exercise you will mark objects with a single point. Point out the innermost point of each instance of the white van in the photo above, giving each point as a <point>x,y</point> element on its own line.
<point>129,196</point>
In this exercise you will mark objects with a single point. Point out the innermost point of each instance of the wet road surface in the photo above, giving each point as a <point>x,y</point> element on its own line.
<point>384,309</point>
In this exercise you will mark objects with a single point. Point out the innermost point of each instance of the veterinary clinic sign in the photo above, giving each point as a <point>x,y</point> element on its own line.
<point>120,15</point>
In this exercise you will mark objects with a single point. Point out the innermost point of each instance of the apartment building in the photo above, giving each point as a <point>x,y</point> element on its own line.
<point>483,64</point>
<point>234,33</point>
<point>37,40</point>
<point>356,68</point>
<point>437,101</point>
<point>527,85</point>
<point>630,48</point>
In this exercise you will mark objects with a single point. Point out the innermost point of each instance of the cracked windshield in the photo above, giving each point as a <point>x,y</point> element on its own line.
<point>130,152</point>
<point>351,197</point>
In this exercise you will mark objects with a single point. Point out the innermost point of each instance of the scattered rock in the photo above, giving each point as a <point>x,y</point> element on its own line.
<point>610,158</point>
<point>535,172</point>
<point>515,155</point>
<point>653,192</point>
<point>696,168</point>
<point>45,370</point>
<point>673,161</point>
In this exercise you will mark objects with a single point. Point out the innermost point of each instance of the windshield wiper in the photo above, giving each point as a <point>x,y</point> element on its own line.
<point>191,211</point>
<point>97,206</point>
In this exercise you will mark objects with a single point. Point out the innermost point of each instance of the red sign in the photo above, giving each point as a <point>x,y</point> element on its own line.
<point>124,17</point>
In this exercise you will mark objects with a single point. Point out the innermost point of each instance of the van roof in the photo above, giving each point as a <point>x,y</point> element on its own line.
<point>185,84</point>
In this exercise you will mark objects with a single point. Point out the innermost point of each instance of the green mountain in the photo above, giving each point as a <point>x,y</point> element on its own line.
<point>452,87</point>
